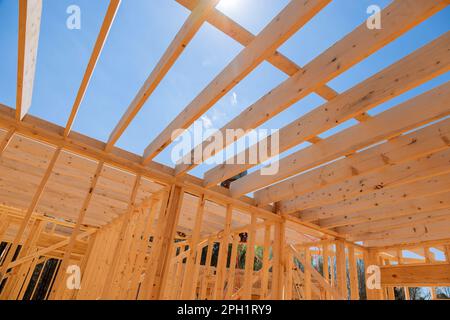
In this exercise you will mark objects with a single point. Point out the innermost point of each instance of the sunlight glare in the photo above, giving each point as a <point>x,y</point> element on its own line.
<point>228,4</point>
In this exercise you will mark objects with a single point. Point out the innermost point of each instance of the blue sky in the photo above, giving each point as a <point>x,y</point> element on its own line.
<point>140,34</point>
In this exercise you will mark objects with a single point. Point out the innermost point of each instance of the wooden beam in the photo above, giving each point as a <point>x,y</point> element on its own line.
<point>414,233</point>
<point>380,198</point>
<point>98,47</point>
<point>355,231</point>
<point>170,56</point>
<point>354,138</point>
<point>206,272</point>
<point>265,263</point>
<point>293,17</point>
<point>430,275</point>
<point>413,206</point>
<point>392,176</point>
<point>447,253</point>
<point>311,228</point>
<point>44,131</point>
<point>44,263</point>
<point>307,274</point>
<point>29,26</point>
<point>432,138</point>
<point>401,76</point>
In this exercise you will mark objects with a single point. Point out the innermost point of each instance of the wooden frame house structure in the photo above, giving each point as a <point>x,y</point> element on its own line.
<point>376,194</point>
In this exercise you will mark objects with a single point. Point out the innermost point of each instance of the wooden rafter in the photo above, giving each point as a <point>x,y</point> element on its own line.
<point>284,25</point>
<point>411,146</point>
<point>99,44</point>
<point>381,217</point>
<point>391,176</point>
<point>29,27</point>
<point>257,180</point>
<point>399,77</point>
<point>379,198</point>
